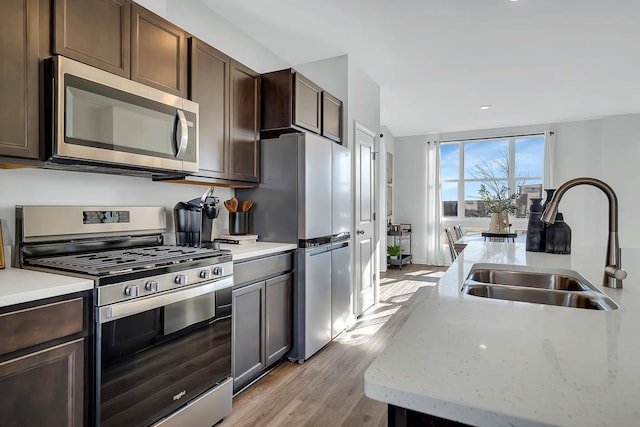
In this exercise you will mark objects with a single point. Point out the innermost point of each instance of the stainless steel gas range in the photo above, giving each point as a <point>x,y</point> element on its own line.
<point>162,318</point>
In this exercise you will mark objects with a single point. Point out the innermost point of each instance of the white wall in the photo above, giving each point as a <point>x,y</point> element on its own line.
<point>387,145</point>
<point>607,149</point>
<point>202,22</point>
<point>410,189</point>
<point>364,101</point>
<point>52,187</point>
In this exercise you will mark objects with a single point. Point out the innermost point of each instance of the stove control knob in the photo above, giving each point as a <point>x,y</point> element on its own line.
<point>151,285</point>
<point>181,279</point>
<point>218,271</point>
<point>205,274</point>
<point>131,291</point>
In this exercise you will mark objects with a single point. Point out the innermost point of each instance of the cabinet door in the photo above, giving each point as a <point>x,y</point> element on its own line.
<point>158,52</point>
<point>244,136</point>
<point>331,117</point>
<point>44,388</point>
<point>96,32</point>
<point>278,302</point>
<point>19,37</point>
<point>248,333</point>
<point>307,101</point>
<point>209,87</point>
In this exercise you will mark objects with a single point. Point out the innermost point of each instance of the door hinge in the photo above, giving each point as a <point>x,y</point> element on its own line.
<point>374,277</point>
<point>375,217</point>
<point>373,155</point>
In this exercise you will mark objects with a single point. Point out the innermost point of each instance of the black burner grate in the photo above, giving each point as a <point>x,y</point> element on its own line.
<point>108,262</point>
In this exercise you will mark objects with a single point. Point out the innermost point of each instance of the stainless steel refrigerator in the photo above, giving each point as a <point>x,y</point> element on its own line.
<point>304,198</point>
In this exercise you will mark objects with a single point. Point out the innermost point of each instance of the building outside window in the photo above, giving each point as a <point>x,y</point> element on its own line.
<point>512,163</point>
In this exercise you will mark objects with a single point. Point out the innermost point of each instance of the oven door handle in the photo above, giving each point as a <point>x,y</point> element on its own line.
<point>127,308</point>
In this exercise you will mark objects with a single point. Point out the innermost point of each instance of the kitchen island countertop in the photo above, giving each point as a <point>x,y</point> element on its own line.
<point>258,249</point>
<point>489,362</point>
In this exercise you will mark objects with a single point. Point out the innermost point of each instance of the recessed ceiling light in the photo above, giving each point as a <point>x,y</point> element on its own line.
<point>485,107</point>
<point>513,0</point>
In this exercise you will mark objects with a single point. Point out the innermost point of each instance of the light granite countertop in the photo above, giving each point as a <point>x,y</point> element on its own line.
<point>258,249</point>
<point>18,285</point>
<point>488,362</point>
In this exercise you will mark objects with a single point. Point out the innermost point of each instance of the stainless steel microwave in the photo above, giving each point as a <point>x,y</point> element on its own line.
<point>97,121</point>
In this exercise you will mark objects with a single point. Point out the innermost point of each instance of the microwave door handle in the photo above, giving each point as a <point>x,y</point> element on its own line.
<point>184,135</point>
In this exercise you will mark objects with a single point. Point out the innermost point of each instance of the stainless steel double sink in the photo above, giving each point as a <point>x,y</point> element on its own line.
<point>559,287</point>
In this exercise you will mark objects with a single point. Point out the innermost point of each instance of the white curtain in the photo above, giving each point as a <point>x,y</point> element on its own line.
<point>433,220</point>
<point>549,148</point>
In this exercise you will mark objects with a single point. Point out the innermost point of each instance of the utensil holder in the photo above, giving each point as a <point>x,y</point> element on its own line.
<point>238,223</point>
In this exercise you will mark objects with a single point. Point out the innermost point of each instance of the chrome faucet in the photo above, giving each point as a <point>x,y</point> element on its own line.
<point>613,272</point>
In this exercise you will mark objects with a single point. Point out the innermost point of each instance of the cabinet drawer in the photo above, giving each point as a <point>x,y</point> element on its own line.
<point>261,268</point>
<point>36,325</point>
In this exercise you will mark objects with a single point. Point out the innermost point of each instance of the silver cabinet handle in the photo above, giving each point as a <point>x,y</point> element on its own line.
<point>359,231</point>
<point>184,137</point>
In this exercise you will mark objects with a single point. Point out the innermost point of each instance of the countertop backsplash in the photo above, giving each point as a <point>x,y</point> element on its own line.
<point>52,187</point>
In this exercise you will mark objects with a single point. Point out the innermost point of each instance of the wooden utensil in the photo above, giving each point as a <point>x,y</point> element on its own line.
<point>246,205</point>
<point>234,204</point>
<point>229,205</point>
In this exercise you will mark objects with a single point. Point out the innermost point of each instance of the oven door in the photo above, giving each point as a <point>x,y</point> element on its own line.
<point>156,354</point>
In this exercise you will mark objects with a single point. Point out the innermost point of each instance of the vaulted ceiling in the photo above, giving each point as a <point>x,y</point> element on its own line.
<point>438,61</point>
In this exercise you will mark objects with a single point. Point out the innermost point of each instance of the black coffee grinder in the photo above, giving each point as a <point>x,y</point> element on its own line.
<point>194,220</point>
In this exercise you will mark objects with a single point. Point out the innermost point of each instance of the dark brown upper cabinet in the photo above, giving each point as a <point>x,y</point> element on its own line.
<point>158,52</point>
<point>244,132</point>
<point>19,50</point>
<point>123,38</point>
<point>209,87</point>
<point>331,117</point>
<point>228,94</point>
<point>307,100</point>
<point>290,101</point>
<point>96,32</point>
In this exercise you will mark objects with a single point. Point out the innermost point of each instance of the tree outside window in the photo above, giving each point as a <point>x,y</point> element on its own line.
<point>512,165</point>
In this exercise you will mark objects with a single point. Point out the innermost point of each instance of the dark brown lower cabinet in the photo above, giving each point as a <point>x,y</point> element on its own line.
<point>43,369</point>
<point>262,321</point>
<point>248,333</point>
<point>402,417</point>
<point>278,299</point>
<point>44,388</point>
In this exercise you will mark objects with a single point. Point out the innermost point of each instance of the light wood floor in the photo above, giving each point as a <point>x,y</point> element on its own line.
<point>327,390</point>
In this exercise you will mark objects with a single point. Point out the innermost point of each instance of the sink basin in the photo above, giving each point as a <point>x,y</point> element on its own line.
<point>530,279</point>
<point>589,300</point>
<point>534,285</point>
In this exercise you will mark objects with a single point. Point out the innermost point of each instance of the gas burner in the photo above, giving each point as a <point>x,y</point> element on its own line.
<point>122,260</point>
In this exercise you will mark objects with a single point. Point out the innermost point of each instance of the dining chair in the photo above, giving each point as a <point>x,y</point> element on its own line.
<point>452,249</point>
<point>458,230</point>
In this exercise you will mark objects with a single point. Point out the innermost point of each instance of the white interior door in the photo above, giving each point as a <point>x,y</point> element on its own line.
<point>364,263</point>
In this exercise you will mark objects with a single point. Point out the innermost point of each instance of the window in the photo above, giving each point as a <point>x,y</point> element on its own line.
<point>513,165</point>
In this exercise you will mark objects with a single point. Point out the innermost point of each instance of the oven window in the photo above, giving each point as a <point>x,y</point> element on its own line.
<point>156,361</point>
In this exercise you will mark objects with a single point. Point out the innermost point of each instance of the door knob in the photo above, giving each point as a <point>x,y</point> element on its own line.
<point>359,231</point>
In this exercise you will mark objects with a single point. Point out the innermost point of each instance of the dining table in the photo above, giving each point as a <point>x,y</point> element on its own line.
<point>462,242</point>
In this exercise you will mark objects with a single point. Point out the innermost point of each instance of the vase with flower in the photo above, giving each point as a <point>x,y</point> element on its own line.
<point>499,203</point>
